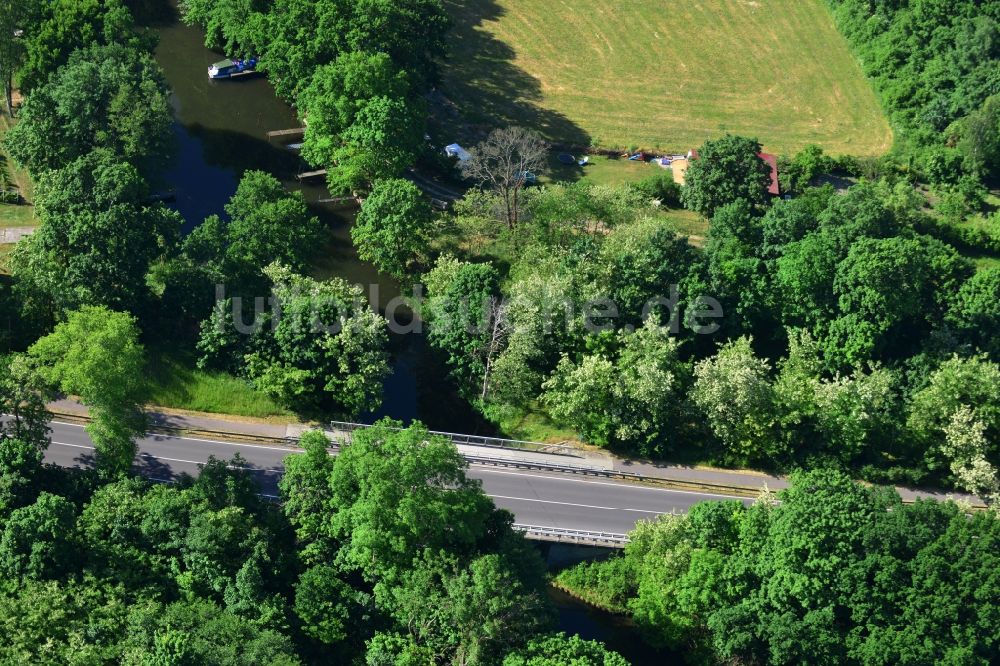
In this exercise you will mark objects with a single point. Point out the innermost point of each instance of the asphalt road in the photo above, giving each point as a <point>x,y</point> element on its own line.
<point>545,499</point>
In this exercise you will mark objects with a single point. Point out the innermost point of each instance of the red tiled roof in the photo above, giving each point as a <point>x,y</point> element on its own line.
<point>772,161</point>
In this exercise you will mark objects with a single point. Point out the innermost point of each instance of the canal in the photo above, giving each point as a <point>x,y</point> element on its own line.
<point>221,131</point>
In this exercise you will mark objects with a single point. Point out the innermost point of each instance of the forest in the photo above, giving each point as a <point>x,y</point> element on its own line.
<point>848,329</point>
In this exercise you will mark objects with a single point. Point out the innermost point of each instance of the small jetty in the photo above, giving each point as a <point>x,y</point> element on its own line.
<point>295,131</point>
<point>346,202</point>
<point>306,175</point>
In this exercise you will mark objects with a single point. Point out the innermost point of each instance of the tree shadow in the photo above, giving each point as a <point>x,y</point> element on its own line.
<point>154,469</point>
<point>489,88</point>
<point>153,13</point>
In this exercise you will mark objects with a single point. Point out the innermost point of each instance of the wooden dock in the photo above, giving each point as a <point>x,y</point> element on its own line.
<point>340,200</point>
<point>305,175</point>
<point>295,131</point>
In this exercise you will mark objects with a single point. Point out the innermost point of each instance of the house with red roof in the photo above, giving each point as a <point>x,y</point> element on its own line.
<point>772,161</point>
<point>773,187</point>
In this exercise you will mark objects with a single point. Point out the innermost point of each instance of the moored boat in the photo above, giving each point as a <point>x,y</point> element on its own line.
<point>230,67</point>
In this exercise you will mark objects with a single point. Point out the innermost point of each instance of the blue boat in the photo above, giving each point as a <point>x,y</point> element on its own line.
<point>230,67</point>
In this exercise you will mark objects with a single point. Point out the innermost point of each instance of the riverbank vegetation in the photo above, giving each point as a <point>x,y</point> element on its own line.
<point>842,321</point>
<point>826,572</point>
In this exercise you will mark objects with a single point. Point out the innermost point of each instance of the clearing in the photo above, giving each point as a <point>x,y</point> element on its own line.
<point>663,74</point>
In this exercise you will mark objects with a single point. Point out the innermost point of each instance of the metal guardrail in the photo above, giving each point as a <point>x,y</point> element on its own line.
<point>477,440</point>
<point>550,467</point>
<point>561,535</point>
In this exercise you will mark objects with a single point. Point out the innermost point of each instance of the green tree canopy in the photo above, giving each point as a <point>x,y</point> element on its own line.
<point>61,27</point>
<point>326,352</point>
<point>462,309</point>
<point>112,97</point>
<point>98,238</point>
<point>95,354</point>
<point>627,395</point>
<point>563,650</point>
<point>398,491</point>
<point>337,92</point>
<point>727,169</point>
<point>393,226</point>
<point>266,224</point>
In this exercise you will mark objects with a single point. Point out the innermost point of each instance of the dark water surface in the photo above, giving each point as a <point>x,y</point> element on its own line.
<point>577,617</point>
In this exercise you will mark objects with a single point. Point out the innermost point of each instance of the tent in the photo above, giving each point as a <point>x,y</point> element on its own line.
<point>455,150</point>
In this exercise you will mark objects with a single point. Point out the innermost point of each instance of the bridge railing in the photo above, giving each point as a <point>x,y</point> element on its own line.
<point>476,440</point>
<point>562,535</point>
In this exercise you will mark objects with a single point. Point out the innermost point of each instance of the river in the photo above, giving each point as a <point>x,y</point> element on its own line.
<point>221,131</point>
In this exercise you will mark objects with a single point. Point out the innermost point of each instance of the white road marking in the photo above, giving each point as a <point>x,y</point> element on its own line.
<point>584,506</point>
<point>179,460</point>
<point>608,483</point>
<point>487,468</point>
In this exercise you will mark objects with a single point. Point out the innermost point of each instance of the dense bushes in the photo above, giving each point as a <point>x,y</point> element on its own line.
<point>934,64</point>
<point>837,310</point>
<point>836,573</point>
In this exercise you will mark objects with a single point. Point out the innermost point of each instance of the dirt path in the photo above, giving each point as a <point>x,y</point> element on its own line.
<point>13,234</point>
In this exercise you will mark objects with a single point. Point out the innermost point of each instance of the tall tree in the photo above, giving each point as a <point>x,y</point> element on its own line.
<point>383,140</point>
<point>734,391</point>
<point>267,223</point>
<point>393,226</point>
<point>396,492</point>
<point>64,26</point>
<point>112,97</point>
<point>305,488</point>
<point>461,310</point>
<point>327,351</point>
<point>98,238</point>
<point>628,395</point>
<point>95,354</point>
<point>23,397</point>
<point>337,92</point>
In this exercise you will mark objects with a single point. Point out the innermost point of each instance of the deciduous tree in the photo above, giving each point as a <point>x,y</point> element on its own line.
<point>112,97</point>
<point>95,354</point>
<point>502,163</point>
<point>393,226</point>
<point>727,169</point>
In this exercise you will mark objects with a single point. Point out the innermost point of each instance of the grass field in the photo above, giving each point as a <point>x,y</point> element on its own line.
<point>663,74</point>
<point>12,177</point>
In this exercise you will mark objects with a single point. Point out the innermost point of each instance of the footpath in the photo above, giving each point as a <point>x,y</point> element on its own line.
<point>745,483</point>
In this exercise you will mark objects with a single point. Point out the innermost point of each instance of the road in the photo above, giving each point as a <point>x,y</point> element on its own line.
<point>546,499</point>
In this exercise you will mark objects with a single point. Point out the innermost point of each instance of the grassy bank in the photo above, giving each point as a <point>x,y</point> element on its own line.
<point>662,75</point>
<point>176,383</point>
